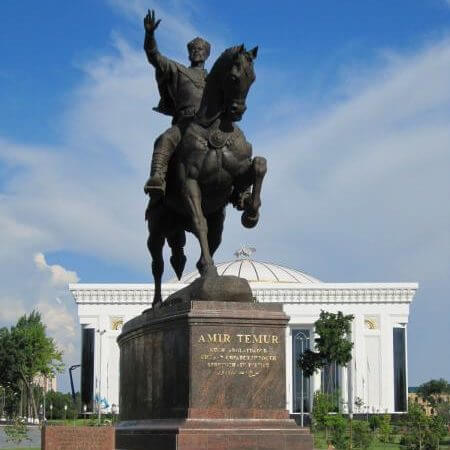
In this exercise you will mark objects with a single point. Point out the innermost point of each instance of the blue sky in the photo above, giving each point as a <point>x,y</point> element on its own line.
<point>351,107</point>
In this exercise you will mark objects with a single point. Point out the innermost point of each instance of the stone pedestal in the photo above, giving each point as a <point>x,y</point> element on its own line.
<point>204,376</point>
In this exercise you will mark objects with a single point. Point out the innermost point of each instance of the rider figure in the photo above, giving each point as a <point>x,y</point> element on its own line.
<point>181,90</point>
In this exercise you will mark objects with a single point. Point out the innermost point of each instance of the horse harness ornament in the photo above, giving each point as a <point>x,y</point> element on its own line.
<point>218,139</point>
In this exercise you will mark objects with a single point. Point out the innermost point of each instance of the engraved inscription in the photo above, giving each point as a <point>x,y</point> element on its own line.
<point>240,354</point>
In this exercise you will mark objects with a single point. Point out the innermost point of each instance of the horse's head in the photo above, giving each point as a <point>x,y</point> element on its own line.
<point>228,84</point>
<point>237,82</point>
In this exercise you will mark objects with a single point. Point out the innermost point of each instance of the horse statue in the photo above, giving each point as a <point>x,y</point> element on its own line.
<point>211,167</point>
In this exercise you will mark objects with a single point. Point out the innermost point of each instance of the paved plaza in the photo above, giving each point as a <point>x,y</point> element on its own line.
<point>34,433</point>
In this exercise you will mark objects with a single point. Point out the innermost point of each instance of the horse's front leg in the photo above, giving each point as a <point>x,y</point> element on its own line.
<point>252,204</point>
<point>193,197</point>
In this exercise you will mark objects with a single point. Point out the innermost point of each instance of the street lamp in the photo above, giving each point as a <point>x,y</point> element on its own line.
<point>101,333</point>
<point>301,340</point>
<point>65,412</point>
<point>71,368</point>
<point>113,412</point>
<point>51,411</point>
<point>3,390</point>
<point>84,411</point>
<point>45,391</point>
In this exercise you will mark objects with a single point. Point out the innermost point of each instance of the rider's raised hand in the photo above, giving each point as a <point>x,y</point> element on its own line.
<point>150,24</point>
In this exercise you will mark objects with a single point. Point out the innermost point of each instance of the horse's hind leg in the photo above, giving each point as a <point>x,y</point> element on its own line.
<point>215,229</point>
<point>193,197</point>
<point>155,244</point>
<point>177,241</point>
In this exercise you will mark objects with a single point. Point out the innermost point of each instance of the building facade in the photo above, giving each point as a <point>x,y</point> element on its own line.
<point>375,381</point>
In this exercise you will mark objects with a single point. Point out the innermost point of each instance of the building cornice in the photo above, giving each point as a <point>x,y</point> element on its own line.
<point>319,293</point>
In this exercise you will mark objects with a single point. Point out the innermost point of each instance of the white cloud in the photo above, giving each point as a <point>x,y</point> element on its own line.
<point>11,310</point>
<point>62,325</point>
<point>59,275</point>
<point>376,162</point>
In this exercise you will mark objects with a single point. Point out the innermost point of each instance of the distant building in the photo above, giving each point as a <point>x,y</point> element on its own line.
<point>414,397</point>
<point>378,370</point>
<point>46,383</point>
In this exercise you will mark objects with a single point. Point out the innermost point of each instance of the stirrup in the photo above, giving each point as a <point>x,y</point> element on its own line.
<point>155,187</point>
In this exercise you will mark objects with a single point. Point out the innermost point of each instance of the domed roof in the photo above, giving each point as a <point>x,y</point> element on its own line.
<point>254,271</point>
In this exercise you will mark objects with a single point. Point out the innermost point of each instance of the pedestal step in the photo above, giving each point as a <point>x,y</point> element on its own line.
<point>214,435</point>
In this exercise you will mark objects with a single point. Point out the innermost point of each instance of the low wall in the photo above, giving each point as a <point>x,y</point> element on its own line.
<point>78,438</point>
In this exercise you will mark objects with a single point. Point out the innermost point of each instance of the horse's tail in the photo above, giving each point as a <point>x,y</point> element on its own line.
<point>177,241</point>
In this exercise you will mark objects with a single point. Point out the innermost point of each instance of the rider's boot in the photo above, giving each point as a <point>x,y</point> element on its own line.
<point>156,184</point>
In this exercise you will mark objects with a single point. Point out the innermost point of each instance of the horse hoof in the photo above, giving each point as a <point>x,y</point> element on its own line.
<point>210,271</point>
<point>249,221</point>
<point>157,302</point>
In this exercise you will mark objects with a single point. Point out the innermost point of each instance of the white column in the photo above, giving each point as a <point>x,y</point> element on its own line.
<point>316,379</point>
<point>289,368</point>
<point>344,389</point>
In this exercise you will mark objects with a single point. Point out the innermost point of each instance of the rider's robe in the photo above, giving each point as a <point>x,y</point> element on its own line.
<point>180,87</point>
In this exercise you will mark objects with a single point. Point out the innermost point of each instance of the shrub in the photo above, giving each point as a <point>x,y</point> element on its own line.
<point>421,431</point>
<point>17,432</point>
<point>338,431</point>
<point>322,405</point>
<point>375,422</point>
<point>361,434</point>
<point>385,428</point>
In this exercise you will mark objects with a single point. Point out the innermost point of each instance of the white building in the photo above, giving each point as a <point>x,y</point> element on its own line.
<point>379,366</point>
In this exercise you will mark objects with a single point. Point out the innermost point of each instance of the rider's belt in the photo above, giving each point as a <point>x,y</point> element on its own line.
<point>188,111</point>
<point>184,113</point>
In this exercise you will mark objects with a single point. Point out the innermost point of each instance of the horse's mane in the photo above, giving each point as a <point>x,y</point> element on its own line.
<point>213,80</point>
<point>223,61</point>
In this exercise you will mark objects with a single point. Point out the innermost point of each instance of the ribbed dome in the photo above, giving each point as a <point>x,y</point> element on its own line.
<point>255,271</point>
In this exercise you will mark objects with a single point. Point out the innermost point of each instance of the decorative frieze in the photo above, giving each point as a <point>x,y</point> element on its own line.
<point>322,293</point>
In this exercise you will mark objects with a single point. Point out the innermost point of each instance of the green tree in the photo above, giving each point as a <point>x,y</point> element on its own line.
<point>422,431</point>
<point>437,431</point>
<point>27,352</point>
<point>2,401</point>
<point>6,358</point>
<point>58,400</point>
<point>442,409</point>
<point>332,345</point>
<point>432,391</point>
<point>416,427</point>
<point>361,434</point>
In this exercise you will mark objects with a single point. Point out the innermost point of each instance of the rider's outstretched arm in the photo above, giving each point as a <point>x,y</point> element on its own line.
<point>154,57</point>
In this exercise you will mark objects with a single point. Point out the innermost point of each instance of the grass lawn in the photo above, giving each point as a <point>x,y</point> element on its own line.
<point>78,422</point>
<point>382,446</point>
<point>320,443</point>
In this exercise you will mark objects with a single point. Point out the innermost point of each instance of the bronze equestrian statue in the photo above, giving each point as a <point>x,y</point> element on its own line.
<point>211,166</point>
